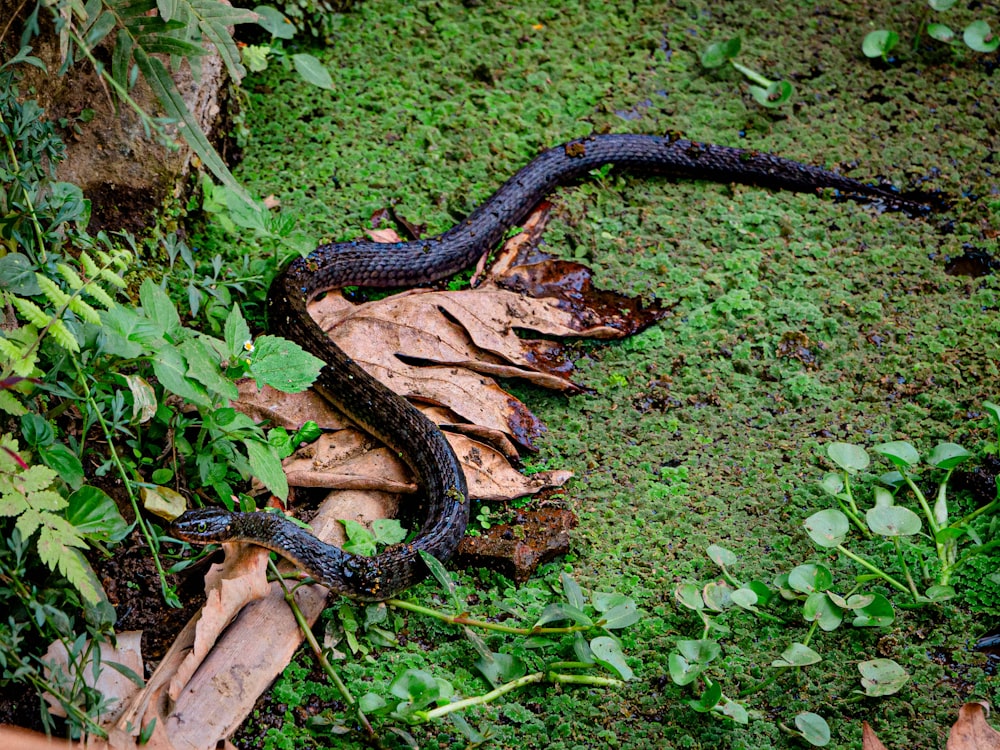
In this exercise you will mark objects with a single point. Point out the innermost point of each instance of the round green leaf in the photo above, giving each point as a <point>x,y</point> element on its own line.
<point>744,598</point>
<point>689,595</point>
<point>883,498</point>
<point>701,651</point>
<point>810,577</point>
<point>814,728</point>
<point>901,453</point>
<point>892,520</point>
<point>719,53</point>
<point>892,479</point>
<point>274,22</point>
<point>828,528</point>
<point>763,593</point>
<point>879,43</point>
<point>774,95</point>
<point>849,457</point>
<point>820,607</point>
<point>621,616</point>
<point>735,711</point>
<point>875,614</point>
<point>882,677</point>
<point>797,655</point>
<point>682,671</point>
<point>720,555</point>
<point>859,601</point>
<point>940,593</point>
<point>941,4</point>
<point>979,37</point>
<point>717,596</point>
<point>416,686</point>
<point>832,484</point>
<point>940,31</point>
<point>370,703</point>
<point>948,455</point>
<point>709,699</point>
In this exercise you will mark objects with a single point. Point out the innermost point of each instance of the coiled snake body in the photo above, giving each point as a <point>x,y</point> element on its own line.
<point>392,419</point>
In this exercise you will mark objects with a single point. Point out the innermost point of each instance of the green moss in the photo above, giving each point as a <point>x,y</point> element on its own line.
<point>698,432</point>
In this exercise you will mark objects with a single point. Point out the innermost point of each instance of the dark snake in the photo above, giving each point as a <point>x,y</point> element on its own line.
<point>393,420</point>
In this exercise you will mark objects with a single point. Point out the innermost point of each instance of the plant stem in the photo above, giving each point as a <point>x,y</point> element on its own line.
<point>751,74</point>
<point>529,679</point>
<point>463,620</point>
<point>906,570</point>
<point>877,571</point>
<point>760,685</point>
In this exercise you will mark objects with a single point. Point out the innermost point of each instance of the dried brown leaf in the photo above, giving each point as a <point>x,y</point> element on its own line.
<point>971,732</point>
<point>869,740</point>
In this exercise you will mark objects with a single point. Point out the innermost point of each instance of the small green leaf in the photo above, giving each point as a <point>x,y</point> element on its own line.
<point>388,531</point>
<point>500,668</point>
<point>560,611</point>
<point>442,576</point>
<point>236,333</point>
<point>266,466</point>
<point>979,37</point>
<point>709,698</point>
<point>371,703</point>
<point>609,655</point>
<point>797,655</point>
<point>876,614</point>
<point>745,598</point>
<point>832,484</point>
<point>820,607</point>
<point>940,593</point>
<point>717,595</point>
<point>814,728</point>
<point>159,309</point>
<point>621,616</point>
<point>415,686</point>
<point>312,71</point>
<point>940,31</point>
<point>810,578</point>
<point>682,671</point>
<point>901,453</point>
<point>879,43</point>
<point>948,455</point>
<point>893,520</point>
<point>828,528</point>
<point>59,457</point>
<point>572,590</point>
<point>764,594</point>
<point>274,22</point>
<point>940,5</point>
<point>881,677</point>
<point>283,364</point>
<point>94,514</point>
<point>720,556</point>
<point>735,711</point>
<point>701,651</point>
<point>775,95</point>
<point>360,540</point>
<point>689,595</point>
<point>718,54</point>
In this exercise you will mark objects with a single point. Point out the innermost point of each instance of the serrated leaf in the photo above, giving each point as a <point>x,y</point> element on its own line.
<point>283,364</point>
<point>267,467</point>
<point>203,366</point>
<point>171,370</point>
<point>388,531</point>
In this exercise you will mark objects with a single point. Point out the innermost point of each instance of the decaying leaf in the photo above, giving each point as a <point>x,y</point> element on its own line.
<point>869,740</point>
<point>971,732</point>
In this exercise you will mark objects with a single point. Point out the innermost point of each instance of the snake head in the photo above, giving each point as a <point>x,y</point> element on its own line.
<point>202,525</point>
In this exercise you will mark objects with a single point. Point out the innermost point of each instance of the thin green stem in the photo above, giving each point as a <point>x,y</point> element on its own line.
<point>463,620</point>
<point>751,74</point>
<point>760,685</point>
<point>906,569</point>
<point>877,571</point>
<point>530,679</point>
<point>168,595</point>
<point>812,631</point>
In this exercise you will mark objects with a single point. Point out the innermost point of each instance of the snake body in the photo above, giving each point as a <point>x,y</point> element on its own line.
<point>393,420</point>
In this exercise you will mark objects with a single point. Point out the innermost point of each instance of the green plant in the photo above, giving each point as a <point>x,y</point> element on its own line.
<point>693,661</point>
<point>765,92</point>
<point>936,552</point>
<point>977,35</point>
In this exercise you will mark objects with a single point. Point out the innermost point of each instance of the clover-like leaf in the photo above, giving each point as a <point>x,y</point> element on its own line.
<point>849,457</point>
<point>882,677</point>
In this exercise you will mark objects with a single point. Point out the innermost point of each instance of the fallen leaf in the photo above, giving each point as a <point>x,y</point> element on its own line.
<point>971,732</point>
<point>869,740</point>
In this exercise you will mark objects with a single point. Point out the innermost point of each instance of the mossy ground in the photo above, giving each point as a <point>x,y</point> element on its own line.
<point>699,430</point>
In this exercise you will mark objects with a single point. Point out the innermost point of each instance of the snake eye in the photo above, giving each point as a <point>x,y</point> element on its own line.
<point>202,526</point>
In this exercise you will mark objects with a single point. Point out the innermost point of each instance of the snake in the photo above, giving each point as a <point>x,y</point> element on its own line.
<point>392,419</point>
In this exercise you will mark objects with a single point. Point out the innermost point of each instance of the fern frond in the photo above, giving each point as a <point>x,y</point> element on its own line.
<point>84,310</point>
<point>112,278</point>
<point>63,336</point>
<point>56,550</point>
<point>21,360</point>
<point>10,405</point>
<point>56,296</point>
<point>30,311</point>
<point>72,277</point>
<point>98,293</point>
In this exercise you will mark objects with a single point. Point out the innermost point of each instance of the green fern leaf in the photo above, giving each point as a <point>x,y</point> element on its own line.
<point>28,521</point>
<point>72,277</point>
<point>98,293</point>
<point>62,336</point>
<point>90,268</point>
<point>55,550</point>
<point>35,479</point>
<point>112,278</point>
<point>51,289</point>
<point>12,503</point>
<point>9,404</point>
<point>46,500</point>
<point>214,19</point>
<point>21,360</point>
<point>84,310</point>
<point>30,311</point>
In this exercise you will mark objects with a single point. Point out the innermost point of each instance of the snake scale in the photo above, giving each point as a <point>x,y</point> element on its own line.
<point>393,420</point>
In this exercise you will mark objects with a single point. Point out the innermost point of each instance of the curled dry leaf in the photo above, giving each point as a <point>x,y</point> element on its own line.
<point>869,740</point>
<point>971,731</point>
